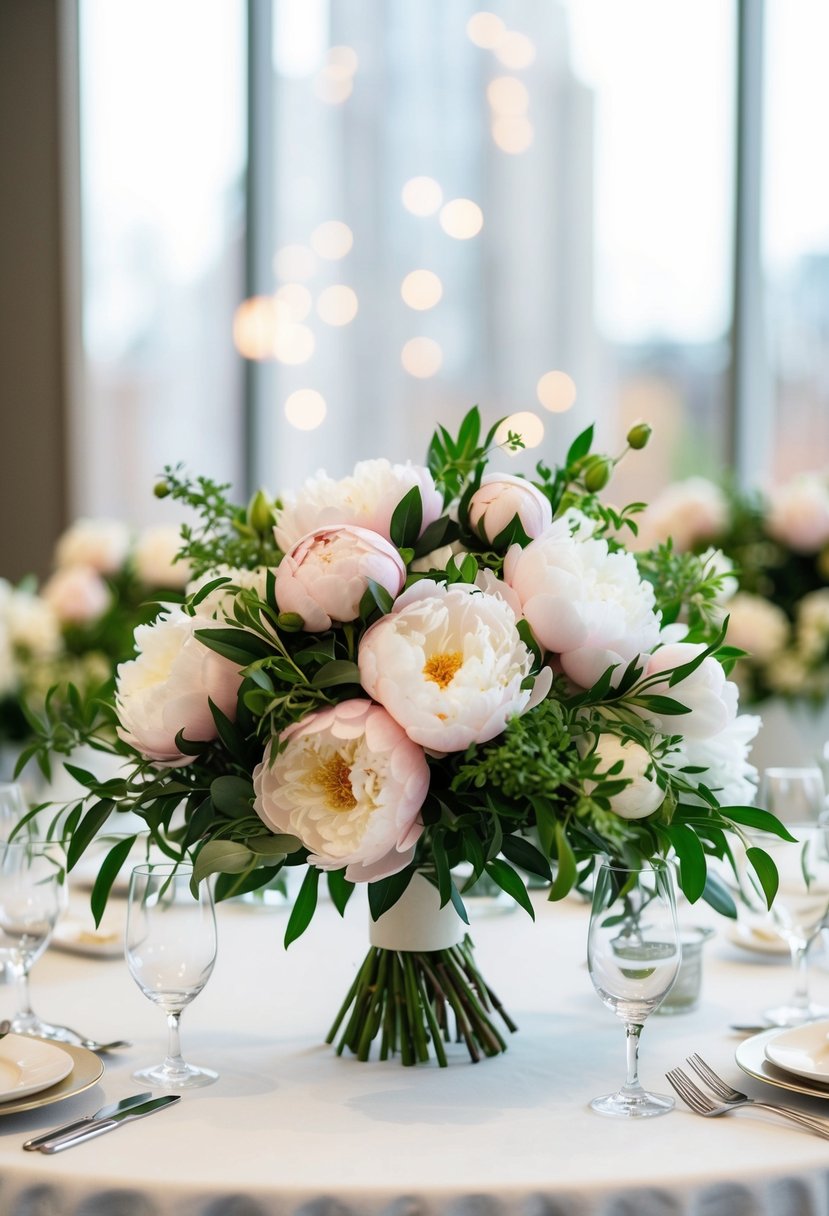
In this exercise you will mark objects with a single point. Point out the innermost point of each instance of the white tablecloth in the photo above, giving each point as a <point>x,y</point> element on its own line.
<point>292,1128</point>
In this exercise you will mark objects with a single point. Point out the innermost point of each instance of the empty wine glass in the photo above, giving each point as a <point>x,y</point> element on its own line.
<point>171,949</point>
<point>633,954</point>
<point>12,807</point>
<point>799,908</point>
<point>794,795</point>
<point>32,897</point>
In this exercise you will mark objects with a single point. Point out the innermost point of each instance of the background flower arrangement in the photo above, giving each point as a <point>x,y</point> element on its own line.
<point>778,602</point>
<point>382,677</point>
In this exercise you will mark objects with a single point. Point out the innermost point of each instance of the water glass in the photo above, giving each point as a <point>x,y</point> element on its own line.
<point>12,807</point>
<point>794,795</point>
<point>32,897</point>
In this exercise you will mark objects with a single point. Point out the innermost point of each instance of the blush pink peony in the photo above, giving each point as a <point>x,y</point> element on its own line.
<point>502,496</point>
<point>77,595</point>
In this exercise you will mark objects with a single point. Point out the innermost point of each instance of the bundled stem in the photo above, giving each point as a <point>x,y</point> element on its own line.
<point>415,1001</point>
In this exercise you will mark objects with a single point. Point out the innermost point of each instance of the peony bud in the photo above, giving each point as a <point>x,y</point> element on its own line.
<point>161,489</point>
<point>597,472</point>
<point>260,514</point>
<point>639,435</point>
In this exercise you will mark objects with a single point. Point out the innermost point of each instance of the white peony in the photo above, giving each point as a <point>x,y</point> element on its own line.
<point>799,513</point>
<point>32,625</point>
<point>154,558</point>
<point>502,496</point>
<point>366,498</point>
<point>166,689</point>
<point>448,664</point>
<point>583,602</point>
<point>725,756</point>
<point>687,513</point>
<point>349,783</point>
<point>710,698</point>
<point>77,595</point>
<point>325,576</point>
<point>757,626</point>
<point>102,544</point>
<point>643,795</point>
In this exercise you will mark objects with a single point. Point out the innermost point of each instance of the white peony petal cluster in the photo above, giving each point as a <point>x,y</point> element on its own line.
<point>77,595</point>
<point>168,686</point>
<point>448,664</point>
<point>725,757</point>
<point>366,498</point>
<point>757,626</point>
<point>325,576</point>
<point>154,558</point>
<point>799,513</point>
<point>584,603</point>
<point>708,695</point>
<point>687,512</point>
<point>349,783</point>
<point>643,795</point>
<point>102,544</point>
<point>502,496</point>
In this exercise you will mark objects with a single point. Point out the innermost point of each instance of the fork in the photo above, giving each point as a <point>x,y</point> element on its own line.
<point>66,1034</point>
<point>702,1104</point>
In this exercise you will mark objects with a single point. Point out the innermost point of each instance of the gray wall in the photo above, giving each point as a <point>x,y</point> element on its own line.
<point>32,427</point>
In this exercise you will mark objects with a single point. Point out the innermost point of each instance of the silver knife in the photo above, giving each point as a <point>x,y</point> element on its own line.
<point>106,1112</point>
<point>99,1127</point>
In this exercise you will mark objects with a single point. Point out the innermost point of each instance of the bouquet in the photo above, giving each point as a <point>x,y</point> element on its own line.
<point>777,546</point>
<point>412,673</point>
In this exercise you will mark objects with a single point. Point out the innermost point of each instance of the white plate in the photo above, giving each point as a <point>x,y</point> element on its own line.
<point>28,1065</point>
<point>802,1050</point>
<point>760,939</point>
<point>87,1069</point>
<point>80,937</point>
<point>751,1058</point>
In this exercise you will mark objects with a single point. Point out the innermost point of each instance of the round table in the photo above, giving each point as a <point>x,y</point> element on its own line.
<point>290,1127</point>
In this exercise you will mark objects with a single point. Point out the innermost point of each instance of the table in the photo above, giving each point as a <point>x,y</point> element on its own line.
<point>290,1129</point>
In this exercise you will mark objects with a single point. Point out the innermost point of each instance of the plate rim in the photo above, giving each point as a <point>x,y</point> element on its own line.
<point>818,1078</point>
<point>776,1077</point>
<point>69,1087</point>
<point>37,1087</point>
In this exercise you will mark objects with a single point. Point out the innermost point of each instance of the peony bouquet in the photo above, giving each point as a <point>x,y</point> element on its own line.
<point>413,679</point>
<point>777,548</point>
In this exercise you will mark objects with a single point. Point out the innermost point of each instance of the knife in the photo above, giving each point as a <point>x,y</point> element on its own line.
<point>99,1126</point>
<point>106,1112</point>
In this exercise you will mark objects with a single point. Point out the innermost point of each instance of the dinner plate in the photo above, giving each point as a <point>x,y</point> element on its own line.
<point>29,1065</point>
<point>80,937</point>
<point>760,939</point>
<point>751,1058</point>
<point>86,1070</point>
<point>802,1050</point>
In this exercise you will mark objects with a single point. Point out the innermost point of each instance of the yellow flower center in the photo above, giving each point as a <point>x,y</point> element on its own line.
<point>441,669</point>
<point>334,779</point>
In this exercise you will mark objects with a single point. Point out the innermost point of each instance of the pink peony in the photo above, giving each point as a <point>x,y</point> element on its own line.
<point>77,595</point>
<point>349,784</point>
<point>326,575</point>
<point>502,496</point>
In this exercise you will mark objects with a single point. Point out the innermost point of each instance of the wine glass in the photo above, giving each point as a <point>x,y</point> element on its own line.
<point>12,807</point>
<point>32,897</point>
<point>794,795</point>
<point>633,955</point>
<point>171,949</point>
<point>799,908</point>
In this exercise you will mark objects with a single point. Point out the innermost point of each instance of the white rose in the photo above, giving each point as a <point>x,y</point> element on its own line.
<point>367,498</point>
<point>799,513</point>
<point>77,595</point>
<point>166,689</point>
<point>448,664</point>
<point>325,576</point>
<point>154,558</point>
<point>583,602</point>
<point>102,544</point>
<point>349,784</point>
<point>757,626</point>
<point>502,496</point>
<point>687,512</point>
<point>710,698</point>
<point>643,795</point>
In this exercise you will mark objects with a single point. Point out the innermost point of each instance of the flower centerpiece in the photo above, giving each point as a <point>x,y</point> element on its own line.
<point>386,677</point>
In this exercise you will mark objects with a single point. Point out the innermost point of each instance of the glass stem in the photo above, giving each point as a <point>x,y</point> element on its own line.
<point>632,1032</point>
<point>800,962</point>
<point>24,1005</point>
<point>174,1062</point>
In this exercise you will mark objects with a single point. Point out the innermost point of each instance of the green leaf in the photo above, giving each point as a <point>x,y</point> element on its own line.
<point>512,534</point>
<point>469,433</point>
<point>230,885</point>
<point>304,906</point>
<point>338,671</point>
<point>681,673</point>
<point>458,904</point>
<point>524,854</point>
<point>565,867</point>
<point>580,446</point>
<point>232,796</point>
<point>766,872</point>
<point>88,829</point>
<point>229,733</point>
<point>273,845</point>
<point>109,871</point>
<point>661,705</point>
<point>378,596</point>
<point>238,645</point>
<point>438,533</point>
<point>508,880</point>
<point>221,857</point>
<point>340,889</point>
<point>407,519</point>
<point>754,817</point>
<point>717,895</point>
<point>692,865</point>
<point>385,892</point>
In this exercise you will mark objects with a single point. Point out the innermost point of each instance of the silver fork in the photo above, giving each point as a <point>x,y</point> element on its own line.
<point>702,1104</point>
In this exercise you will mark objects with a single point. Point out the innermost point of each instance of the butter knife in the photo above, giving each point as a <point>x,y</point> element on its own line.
<point>99,1127</point>
<point>106,1112</point>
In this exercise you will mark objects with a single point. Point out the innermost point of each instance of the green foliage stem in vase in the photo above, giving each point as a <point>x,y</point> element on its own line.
<point>412,669</point>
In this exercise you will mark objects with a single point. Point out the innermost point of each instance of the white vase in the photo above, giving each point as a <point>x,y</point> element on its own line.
<point>793,734</point>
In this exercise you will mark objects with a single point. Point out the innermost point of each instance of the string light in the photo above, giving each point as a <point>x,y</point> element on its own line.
<point>422,196</point>
<point>528,425</point>
<point>421,289</point>
<point>508,96</point>
<point>295,263</point>
<point>296,299</point>
<point>256,324</point>
<point>422,357</point>
<point>305,409</point>
<point>461,219</point>
<point>332,240</point>
<point>485,30</point>
<point>513,135</point>
<point>293,344</point>
<point>556,391</point>
<point>515,51</point>
<point>337,305</point>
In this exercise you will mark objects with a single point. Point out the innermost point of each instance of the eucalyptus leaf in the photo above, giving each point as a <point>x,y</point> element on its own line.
<point>221,857</point>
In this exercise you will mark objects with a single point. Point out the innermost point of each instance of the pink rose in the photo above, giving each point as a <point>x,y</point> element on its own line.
<point>349,784</point>
<point>77,595</point>
<point>502,496</point>
<point>166,688</point>
<point>325,576</point>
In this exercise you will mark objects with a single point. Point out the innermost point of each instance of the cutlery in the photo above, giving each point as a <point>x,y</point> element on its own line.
<point>106,1112</point>
<point>99,1127</point>
<point>751,1028</point>
<point>702,1104</point>
<point>66,1034</point>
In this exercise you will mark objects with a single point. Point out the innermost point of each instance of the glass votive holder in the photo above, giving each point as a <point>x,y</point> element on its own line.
<point>685,993</point>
